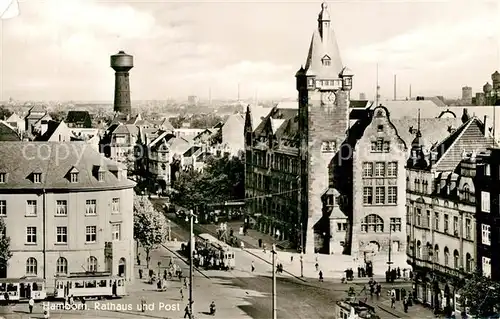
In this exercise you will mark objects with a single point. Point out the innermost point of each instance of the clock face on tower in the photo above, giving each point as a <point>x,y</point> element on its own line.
<point>328,98</point>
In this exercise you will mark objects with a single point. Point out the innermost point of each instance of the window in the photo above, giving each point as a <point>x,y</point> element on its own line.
<point>31,235</point>
<point>3,208</point>
<point>62,266</point>
<point>92,264</point>
<point>372,223</point>
<point>419,249</point>
<point>61,207</point>
<point>486,234</point>
<point>455,225</point>
<point>31,267</point>
<point>392,169</point>
<point>100,176</point>
<point>367,195</point>
<point>91,234</point>
<point>367,169</point>
<point>436,253</point>
<point>116,231</point>
<point>379,195</point>
<point>62,235</point>
<point>392,195</point>
<point>487,170</point>
<point>428,219</point>
<point>3,178</point>
<point>31,208</point>
<point>396,224</point>
<point>425,187</point>
<point>91,207</point>
<point>380,128</point>
<point>485,202</point>
<point>378,146</point>
<point>436,221</point>
<point>37,177</point>
<point>446,256</point>
<point>115,205</point>
<point>379,169</point>
<point>419,217</point>
<point>446,223</point>
<point>456,259</point>
<point>486,263</point>
<point>468,263</point>
<point>466,193</point>
<point>468,228</point>
<point>74,177</point>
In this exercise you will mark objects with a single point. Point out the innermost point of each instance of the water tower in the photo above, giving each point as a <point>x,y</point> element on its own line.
<point>122,63</point>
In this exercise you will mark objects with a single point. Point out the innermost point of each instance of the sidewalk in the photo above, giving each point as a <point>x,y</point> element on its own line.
<point>332,266</point>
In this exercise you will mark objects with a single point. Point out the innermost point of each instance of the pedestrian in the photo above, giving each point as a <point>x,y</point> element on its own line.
<point>138,259</point>
<point>317,266</point>
<point>320,276</point>
<point>186,312</point>
<point>143,304</point>
<point>405,304</point>
<point>253,267</point>
<point>291,258</point>
<point>46,314</point>
<point>393,298</point>
<point>140,273</point>
<point>31,304</point>
<point>182,294</point>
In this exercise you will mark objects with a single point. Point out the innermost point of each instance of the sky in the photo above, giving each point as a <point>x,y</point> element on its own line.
<point>59,49</point>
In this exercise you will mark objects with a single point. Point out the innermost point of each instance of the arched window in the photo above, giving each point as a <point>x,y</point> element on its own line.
<point>468,263</point>
<point>429,251</point>
<point>92,264</point>
<point>372,223</point>
<point>446,256</point>
<point>419,249</point>
<point>436,253</point>
<point>456,262</point>
<point>446,203</point>
<point>62,266</point>
<point>466,192</point>
<point>31,267</point>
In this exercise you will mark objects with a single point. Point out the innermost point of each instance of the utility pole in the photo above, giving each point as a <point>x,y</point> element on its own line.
<point>389,262</point>
<point>191,248</point>
<point>301,254</point>
<point>273,252</point>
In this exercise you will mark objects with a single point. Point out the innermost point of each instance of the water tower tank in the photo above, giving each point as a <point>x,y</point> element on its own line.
<point>122,62</point>
<point>495,77</point>
<point>487,88</point>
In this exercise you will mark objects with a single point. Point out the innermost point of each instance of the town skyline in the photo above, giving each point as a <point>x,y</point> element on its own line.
<point>60,50</point>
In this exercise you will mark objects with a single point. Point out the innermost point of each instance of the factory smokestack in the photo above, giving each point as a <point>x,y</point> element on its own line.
<point>395,87</point>
<point>122,63</point>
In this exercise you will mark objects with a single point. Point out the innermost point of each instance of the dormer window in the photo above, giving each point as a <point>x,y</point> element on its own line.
<point>3,178</point>
<point>37,177</point>
<point>74,177</point>
<point>100,176</point>
<point>326,61</point>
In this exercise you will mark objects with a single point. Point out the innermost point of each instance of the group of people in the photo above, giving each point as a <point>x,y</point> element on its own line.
<point>208,257</point>
<point>366,271</point>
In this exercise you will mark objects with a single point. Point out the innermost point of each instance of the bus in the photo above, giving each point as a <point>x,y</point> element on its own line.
<point>21,289</point>
<point>92,285</point>
<point>225,251</point>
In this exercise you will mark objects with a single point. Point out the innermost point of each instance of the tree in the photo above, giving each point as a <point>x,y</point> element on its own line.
<point>5,252</point>
<point>481,295</point>
<point>4,112</point>
<point>150,226</point>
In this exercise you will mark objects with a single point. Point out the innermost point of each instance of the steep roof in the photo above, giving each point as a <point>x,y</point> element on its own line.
<point>191,151</point>
<point>54,160</point>
<point>51,128</point>
<point>258,114</point>
<point>13,118</point>
<point>468,138</point>
<point>324,46</point>
<point>7,133</point>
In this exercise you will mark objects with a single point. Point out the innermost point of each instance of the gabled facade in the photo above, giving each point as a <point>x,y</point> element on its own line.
<point>441,207</point>
<point>79,119</point>
<point>34,115</point>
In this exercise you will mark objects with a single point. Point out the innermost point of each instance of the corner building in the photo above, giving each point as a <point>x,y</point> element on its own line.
<point>67,210</point>
<point>441,207</point>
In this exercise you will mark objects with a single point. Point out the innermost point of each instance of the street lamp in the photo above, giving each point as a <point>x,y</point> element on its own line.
<point>273,252</point>
<point>191,218</point>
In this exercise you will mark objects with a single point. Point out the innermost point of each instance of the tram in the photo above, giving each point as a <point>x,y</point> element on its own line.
<point>21,289</point>
<point>225,251</point>
<point>94,285</point>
